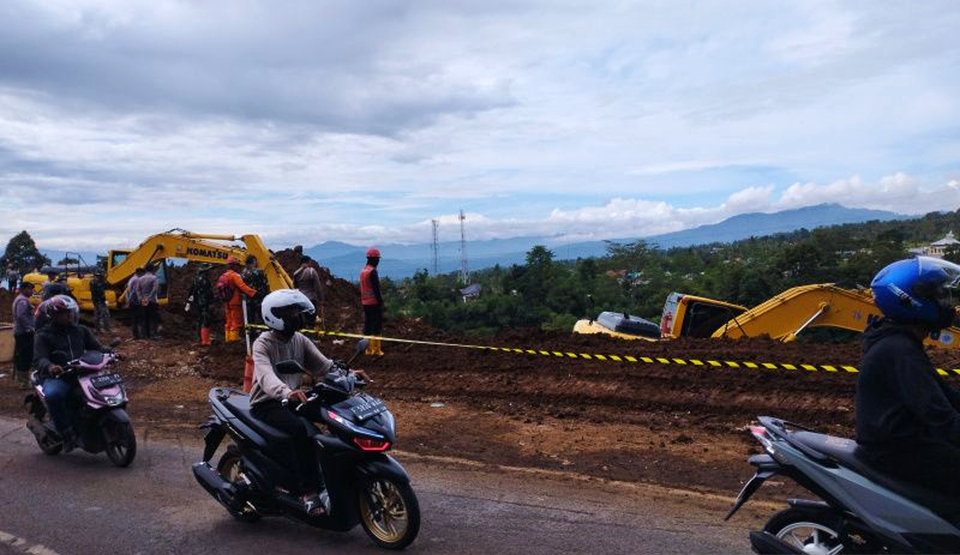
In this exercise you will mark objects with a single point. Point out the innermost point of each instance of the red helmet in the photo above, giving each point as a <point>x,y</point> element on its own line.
<point>233,260</point>
<point>373,253</point>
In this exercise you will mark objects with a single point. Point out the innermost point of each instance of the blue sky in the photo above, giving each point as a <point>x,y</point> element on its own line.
<point>307,121</point>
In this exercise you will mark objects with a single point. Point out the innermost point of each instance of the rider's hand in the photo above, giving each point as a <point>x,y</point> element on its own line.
<point>298,396</point>
<point>55,369</point>
<point>362,375</point>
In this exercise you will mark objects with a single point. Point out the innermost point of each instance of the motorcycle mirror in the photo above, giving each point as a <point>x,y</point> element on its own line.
<point>288,367</point>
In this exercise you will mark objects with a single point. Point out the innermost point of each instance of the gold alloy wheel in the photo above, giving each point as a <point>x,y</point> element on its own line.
<point>384,511</point>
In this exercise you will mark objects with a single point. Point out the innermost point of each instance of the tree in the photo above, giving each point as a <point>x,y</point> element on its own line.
<point>22,254</point>
<point>67,260</point>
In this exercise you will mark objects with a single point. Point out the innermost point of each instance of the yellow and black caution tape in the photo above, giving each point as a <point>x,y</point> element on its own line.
<point>830,368</point>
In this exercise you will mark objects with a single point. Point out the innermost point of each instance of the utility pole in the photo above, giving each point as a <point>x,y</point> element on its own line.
<point>435,247</point>
<point>463,251</point>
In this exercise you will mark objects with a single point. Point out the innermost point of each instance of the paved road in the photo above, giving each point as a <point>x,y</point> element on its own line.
<point>80,504</point>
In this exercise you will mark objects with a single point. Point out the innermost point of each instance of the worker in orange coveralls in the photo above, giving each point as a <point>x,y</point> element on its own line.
<point>230,287</point>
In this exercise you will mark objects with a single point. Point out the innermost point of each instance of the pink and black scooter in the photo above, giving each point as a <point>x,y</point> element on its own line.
<point>97,407</point>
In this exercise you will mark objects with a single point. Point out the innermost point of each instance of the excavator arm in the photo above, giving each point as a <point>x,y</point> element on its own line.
<point>786,315</point>
<point>196,247</point>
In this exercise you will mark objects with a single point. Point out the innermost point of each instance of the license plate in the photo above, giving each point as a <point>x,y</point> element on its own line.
<point>106,380</point>
<point>369,408</point>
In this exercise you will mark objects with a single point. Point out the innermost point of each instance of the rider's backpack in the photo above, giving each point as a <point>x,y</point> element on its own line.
<point>224,289</point>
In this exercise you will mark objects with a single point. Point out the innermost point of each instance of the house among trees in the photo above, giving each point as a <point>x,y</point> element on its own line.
<point>940,247</point>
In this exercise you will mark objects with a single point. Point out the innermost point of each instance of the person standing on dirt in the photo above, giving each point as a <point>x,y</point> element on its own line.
<point>133,302</point>
<point>307,281</point>
<point>230,288</point>
<point>372,301</point>
<point>285,311</point>
<point>98,294</point>
<point>908,417</point>
<point>257,280</point>
<point>200,301</point>
<point>13,276</point>
<point>24,328</point>
<point>147,289</point>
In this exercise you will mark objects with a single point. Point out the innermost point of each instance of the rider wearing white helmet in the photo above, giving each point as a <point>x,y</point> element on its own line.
<point>285,311</point>
<point>62,339</point>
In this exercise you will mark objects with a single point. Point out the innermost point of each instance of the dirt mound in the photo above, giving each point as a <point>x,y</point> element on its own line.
<point>6,305</point>
<point>342,309</point>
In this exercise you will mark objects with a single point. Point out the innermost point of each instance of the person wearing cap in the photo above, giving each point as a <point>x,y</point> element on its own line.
<point>98,294</point>
<point>24,328</point>
<point>372,301</point>
<point>200,301</point>
<point>148,288</point>
<point>307,281</point>
<point>231,287</point>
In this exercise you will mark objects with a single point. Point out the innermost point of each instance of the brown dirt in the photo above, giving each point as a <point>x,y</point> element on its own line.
<point>6,305</point>
<point>670,424</point>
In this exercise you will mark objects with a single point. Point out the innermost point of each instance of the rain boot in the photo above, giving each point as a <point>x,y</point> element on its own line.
<point>370,348</point>
<point>205,336</point>
<point>375,343</point>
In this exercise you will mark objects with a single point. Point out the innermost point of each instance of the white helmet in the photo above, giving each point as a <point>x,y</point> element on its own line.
<point>57,304</point>
<point>283,298</point>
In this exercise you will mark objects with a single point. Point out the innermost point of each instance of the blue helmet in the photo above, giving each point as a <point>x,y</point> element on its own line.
<point>917,291</point>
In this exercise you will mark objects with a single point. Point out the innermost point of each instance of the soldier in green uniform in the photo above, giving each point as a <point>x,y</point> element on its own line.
<point>257,280</point>
<point>101,312</point>
<point>200,301</point>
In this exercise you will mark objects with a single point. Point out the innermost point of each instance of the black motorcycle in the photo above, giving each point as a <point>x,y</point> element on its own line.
<point>364,484</point>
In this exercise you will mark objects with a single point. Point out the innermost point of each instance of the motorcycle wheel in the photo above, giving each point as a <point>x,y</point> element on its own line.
<point>389,512</point>
<point>230,468</point>
<point>122,446</point>
<point>807,531</point>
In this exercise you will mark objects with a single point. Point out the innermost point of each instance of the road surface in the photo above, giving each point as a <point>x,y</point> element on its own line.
<point>79,504</point>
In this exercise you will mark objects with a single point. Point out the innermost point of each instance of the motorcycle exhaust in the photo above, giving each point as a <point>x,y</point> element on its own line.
<point>222,490</point>
<point>766,543</point>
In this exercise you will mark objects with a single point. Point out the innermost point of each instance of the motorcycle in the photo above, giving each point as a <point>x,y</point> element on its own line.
<point>364,484</point>
<point>862,510</point>
<point>97,405</point>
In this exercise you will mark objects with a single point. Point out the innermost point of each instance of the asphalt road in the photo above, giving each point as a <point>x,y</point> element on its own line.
<point>80,504</point>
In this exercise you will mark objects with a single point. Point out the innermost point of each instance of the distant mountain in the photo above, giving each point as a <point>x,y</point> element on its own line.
<point>759,224</point>
<point>402,261</point>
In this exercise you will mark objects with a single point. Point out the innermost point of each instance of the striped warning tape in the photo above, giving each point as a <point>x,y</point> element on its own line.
<point>830,368</point>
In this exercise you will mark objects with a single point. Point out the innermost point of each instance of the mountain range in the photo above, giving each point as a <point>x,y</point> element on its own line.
<point>402,261</point>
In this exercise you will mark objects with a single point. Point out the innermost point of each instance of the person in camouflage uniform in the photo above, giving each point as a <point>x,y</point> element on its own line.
<point>257,280</point>
<point>200,301</point>
<point>101,311</point>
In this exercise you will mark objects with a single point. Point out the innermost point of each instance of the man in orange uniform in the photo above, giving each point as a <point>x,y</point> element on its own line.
<point>372,301</point>
<point>231,279</point>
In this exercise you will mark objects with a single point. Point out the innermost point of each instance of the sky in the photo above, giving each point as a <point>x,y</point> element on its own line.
<point>314,120</point>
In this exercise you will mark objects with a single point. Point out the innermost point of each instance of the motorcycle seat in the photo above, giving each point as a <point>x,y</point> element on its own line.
<point>240,406</point>
<point>848,453</point>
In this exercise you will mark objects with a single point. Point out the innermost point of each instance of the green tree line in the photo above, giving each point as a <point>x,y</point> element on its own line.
<point>636,278</point>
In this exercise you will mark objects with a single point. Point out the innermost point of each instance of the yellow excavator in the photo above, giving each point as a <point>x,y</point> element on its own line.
<point>196,247</point>
<point>782,317</point>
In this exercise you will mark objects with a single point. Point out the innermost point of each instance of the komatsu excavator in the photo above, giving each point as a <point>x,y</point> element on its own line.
<point>196,247</point>
<point>782,317</point>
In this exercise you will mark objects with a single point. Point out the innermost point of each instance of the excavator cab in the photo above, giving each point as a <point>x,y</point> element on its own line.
<point>692,316</point>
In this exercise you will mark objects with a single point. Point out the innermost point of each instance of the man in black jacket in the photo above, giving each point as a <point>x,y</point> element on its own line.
<point>60,341</point>
<point>908,417</point>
